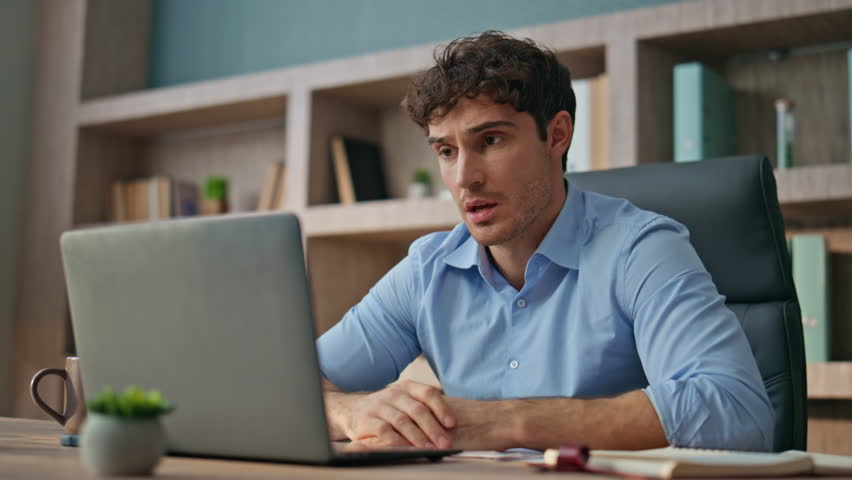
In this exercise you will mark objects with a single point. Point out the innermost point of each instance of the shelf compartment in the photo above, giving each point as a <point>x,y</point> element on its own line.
<point>830,380</point>
<point>371,111</point>
<point>242,154</point>
<point>813,77</point>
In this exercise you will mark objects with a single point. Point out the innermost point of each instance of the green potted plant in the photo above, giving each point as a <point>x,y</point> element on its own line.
<point>215,197</point>
<point>123,434</point>
<point>421,184</point>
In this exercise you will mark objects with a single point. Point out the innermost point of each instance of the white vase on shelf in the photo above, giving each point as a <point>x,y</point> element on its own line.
<point>418,190</point>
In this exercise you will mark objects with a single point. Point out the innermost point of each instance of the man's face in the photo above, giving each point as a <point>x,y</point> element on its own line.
<point>501,173</point>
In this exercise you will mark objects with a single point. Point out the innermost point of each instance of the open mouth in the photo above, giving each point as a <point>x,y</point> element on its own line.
<point>479,211</point>
<point>481,207</point>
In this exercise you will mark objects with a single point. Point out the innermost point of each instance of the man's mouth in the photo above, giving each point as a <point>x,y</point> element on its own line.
<point>480,211</point>
<point>481,207</point>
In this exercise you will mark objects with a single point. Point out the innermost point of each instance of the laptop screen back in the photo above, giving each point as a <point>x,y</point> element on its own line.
<point>213,312</point>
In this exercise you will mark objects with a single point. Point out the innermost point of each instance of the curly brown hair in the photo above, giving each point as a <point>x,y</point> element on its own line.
<point>518,72</point>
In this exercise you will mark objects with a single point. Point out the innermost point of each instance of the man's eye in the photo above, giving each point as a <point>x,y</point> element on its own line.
<point>445,152</point>
<point>493,139</point>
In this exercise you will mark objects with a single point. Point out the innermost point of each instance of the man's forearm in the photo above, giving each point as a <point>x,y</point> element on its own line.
<point>628,421</point>
<point>335,406</point>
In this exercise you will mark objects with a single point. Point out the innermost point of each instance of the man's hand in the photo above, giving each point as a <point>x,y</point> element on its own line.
<point>404,413</point>
<point>408,413</point>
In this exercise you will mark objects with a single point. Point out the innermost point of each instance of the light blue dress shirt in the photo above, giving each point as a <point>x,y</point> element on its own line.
<point>615,299</point>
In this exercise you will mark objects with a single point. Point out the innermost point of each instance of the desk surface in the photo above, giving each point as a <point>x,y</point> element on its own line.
<point>29,449</point>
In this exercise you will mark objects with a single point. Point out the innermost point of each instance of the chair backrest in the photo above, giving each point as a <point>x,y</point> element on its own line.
<point>730,207</point>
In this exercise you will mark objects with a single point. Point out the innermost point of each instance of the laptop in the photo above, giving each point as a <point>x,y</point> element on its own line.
<point>216,314</point>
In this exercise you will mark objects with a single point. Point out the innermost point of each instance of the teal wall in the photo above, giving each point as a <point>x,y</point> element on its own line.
<point>16,51</point>
<point>194,40</point>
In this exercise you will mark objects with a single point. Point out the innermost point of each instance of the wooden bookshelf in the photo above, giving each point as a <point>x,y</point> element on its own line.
<point>381,219</point>
<point>830,381</point>
<point>838,240</point>
<point>815,190</point>
<point>148,115</point>
<point>100,125</point>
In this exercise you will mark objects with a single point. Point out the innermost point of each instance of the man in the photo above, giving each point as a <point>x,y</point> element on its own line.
<point>550,315</point>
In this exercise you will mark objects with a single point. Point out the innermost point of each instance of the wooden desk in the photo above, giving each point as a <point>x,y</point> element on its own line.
<point>29,449</point>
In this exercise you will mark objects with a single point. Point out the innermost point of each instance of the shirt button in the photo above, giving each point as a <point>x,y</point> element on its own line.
<point>521,303</point>
<point>513,364</point>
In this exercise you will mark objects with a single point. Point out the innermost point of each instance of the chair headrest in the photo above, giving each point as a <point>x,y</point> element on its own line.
<point>729,205</point>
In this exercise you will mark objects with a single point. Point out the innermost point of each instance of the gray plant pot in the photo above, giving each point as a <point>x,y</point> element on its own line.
<point>112,445</point>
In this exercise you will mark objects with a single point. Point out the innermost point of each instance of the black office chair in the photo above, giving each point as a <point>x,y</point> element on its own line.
<point>730,207</point>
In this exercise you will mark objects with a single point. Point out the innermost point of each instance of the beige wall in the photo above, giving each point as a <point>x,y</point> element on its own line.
<point>16,53</point>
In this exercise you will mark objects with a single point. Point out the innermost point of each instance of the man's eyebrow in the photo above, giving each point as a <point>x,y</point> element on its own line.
<point>487,125</point>
<point>477,129</point>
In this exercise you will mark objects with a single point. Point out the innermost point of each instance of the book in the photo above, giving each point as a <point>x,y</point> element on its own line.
<point>160,198</point>
<point>278,198</point>
<point>137,200</point>
<point>579,153</point>
<point>599,90</point>
<point>704,114</point>
<point>588,150</point>
<point>784,133</point>
<point>186,198</point>
<point>118,202</point>
<point>811,277</point>
<point>849,94</point>
<point>270,186</point>
<point>358,170</point>
<point>144,199</point>
<point>674,462</point>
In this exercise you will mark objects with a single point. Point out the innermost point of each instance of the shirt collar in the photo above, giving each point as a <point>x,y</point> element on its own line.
<point>561,245</point>
<point>566,236</point>
<point>466,255</point>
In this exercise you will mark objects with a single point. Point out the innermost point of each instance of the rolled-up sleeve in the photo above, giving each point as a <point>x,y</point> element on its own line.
<point>376,339</point>
<point>702,375</point>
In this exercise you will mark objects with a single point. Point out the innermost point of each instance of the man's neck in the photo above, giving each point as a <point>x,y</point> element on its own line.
<point>511,258</point>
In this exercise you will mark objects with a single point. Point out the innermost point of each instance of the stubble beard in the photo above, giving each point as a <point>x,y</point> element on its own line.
<point>532,205</point>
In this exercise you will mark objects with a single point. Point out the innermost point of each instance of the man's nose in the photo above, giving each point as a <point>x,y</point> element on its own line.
<point>469,171</point>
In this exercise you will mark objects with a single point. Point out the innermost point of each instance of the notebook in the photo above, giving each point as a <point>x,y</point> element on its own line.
<point>672,462</point>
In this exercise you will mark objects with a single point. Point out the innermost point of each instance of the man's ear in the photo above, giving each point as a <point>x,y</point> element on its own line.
<point>560,131</point>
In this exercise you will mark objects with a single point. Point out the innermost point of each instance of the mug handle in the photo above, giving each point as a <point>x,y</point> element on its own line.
<point>72,404</point>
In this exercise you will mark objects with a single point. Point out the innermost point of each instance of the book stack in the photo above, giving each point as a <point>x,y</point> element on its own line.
<point>154,198</point>
<point>704,114</point>
<point>140,200</point>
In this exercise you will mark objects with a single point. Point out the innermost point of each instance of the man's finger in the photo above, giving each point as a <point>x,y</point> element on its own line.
<point>389,438</point>
<point>422,415</point>
<point>400,421</point>
<point>434,399</point>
